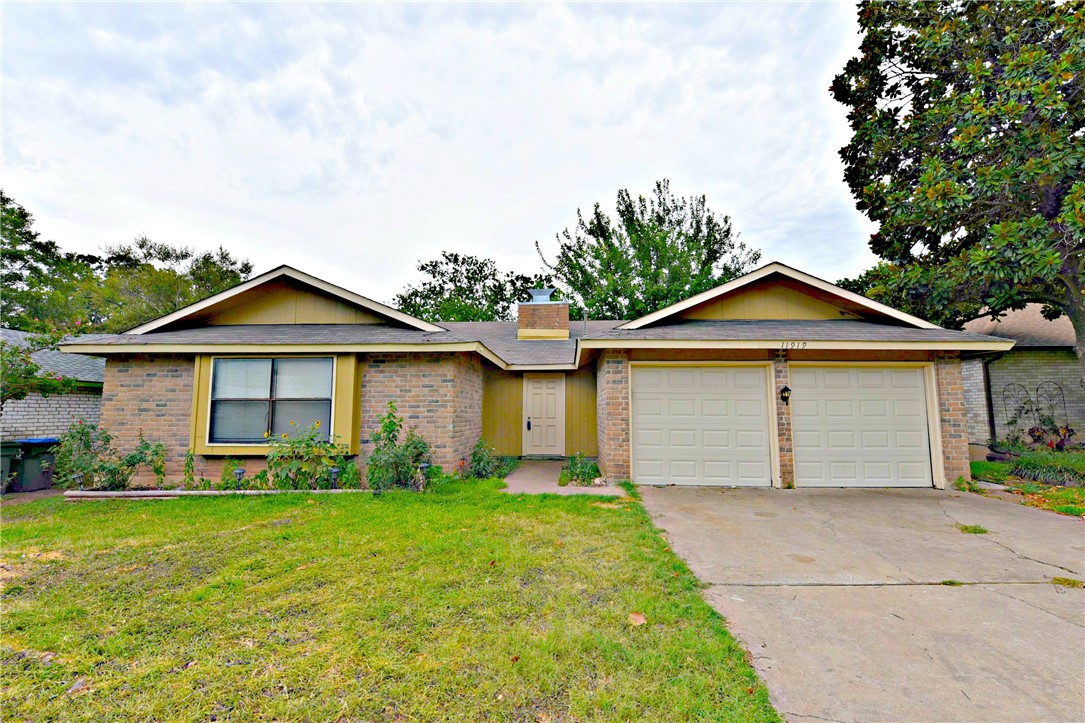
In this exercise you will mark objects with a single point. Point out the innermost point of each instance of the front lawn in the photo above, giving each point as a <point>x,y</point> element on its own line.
<point>462,603</point>
<point>1068,500</point>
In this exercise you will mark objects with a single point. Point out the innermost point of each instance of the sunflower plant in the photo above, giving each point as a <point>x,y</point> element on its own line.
<point>304,459</point>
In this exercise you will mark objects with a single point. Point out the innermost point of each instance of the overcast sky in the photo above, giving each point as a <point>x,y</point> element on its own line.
<point>352,141</point>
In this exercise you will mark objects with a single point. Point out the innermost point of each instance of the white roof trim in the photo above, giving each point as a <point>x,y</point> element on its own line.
<point>332,289</point>
<point>776,268</point>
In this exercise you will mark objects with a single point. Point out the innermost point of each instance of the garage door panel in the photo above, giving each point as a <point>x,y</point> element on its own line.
<point>860,426</point>
<point>701,426</point>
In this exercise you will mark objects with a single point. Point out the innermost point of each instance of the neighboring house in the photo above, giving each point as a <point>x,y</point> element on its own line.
<point>38,416</point>
<point>691,394</point>
<point>1010,391</point>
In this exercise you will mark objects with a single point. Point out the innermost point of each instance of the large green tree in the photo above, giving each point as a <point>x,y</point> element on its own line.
<point>968,150</point>
<point>46,288</point>
<point>655,252</point>
<point>461,287</point>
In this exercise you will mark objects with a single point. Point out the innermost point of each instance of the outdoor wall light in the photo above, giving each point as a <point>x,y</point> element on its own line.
<point>78,477</point>
<point>334,472</point>
<point>239,472</point>
<point>785,395</point>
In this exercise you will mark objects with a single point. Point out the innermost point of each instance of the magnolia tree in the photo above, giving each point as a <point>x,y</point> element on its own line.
<point>968,150</point>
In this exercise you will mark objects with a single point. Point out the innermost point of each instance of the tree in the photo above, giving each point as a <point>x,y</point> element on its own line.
<point>968,150</point>
<point>461,287</point>
<point>657,252</point>
<point>43,287</point>
<point>147,279</point>
<point>940,301</point>
<point>20,375</point>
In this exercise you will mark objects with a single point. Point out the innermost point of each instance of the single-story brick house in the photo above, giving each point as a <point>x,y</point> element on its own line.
<point>774,379</point>
<point>38,416</point>
<point>1010,390</point>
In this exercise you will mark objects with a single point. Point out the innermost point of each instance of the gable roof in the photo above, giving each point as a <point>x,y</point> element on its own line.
<point>80,367</point>
<point>776,267</point>
<point>1027,327</point>
<point>287,272</point>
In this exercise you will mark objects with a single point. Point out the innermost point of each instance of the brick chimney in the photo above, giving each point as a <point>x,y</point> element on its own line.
<point>542,318</point>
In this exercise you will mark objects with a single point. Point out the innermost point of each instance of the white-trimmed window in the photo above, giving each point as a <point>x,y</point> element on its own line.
<point>252,399</point>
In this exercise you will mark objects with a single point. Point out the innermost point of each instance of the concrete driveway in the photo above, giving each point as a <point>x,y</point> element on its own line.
<point>838,597</point>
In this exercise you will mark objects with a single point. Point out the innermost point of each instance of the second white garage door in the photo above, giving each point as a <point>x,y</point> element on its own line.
<point>701,426</point>
<point>860,427</point>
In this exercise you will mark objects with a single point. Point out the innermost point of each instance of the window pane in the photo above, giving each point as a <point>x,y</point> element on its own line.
<point>238,421</point>
<point>304,413</point>
<point>242,379</point>
<point>303,378</point>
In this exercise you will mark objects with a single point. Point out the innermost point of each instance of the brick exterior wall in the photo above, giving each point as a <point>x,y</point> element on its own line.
<point>954,418</point>
<point>612,409</point>
<point>1030,368</point>
<point>433,392</point>
<point>781,378</point>
<point>38,416</point>
<point>975,401</point>
<point>152,395</point>
<point>550,315</point>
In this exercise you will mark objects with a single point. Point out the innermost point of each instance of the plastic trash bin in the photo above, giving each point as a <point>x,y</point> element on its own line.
<point>35,471</point>
<point>9,462</point>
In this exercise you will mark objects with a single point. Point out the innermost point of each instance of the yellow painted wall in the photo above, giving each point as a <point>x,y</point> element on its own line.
<point>580,416</point>
<point>766,300</point>
<point>280,302</point>
<point>503,410</point>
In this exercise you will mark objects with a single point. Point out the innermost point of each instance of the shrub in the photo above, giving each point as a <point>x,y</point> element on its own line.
<point>580,470</point>
<point>1058,468</point>
<point>89,450</point>
<point>304,460</point>
<point>485,464</point>
<point>395,464</point>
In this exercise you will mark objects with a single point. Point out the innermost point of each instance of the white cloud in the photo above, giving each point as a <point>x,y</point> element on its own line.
<point>352,141</point>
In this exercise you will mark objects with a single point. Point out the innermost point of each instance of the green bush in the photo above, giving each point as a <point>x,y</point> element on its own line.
<point>579,470</point>
<point>1057,468</point>
<point>486,464</point>
<point>304,460</point>
<point>394,464</point>
<point>89,450</point>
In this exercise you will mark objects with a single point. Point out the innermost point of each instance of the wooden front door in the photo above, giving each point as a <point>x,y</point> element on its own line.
<point>544,414</point>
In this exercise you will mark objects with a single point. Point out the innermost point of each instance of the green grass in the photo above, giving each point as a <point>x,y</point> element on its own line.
<point>996,472</point>
<point>1067,582</point>
<point>1060,468</point>
<point>973,529</point>
<point>1064,500</point>
<point>462,603</point>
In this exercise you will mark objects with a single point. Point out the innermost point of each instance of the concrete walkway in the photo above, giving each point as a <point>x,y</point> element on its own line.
<point>838,597</point>
<point>540,477</point>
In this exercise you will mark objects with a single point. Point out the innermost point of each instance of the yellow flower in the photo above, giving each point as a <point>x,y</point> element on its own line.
<point>293,422</point>
<point>285,435</point>
<point>317,424</point>
<point>267,434</point>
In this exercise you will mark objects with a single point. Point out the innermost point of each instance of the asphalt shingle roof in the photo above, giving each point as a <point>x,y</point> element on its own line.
<point>1027,327</point>
<point>500,337</point>
<point>80,367</point>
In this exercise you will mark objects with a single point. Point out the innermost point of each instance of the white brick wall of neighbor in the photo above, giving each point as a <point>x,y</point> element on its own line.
<point>38,416</point>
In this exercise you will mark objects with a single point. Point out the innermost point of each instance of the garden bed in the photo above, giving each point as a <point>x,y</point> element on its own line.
<point>174,494</point>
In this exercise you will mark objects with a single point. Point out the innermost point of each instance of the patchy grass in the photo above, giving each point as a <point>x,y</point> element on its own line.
<point>972,529</point>
<point>952,583</point>
<point>1064,500</point>
<point>997,472</point>
<point>1067,582</point>
<point>460,603</point>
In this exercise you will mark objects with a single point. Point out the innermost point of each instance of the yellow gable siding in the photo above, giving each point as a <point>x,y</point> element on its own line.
<point>766,301</point>
<point>281,303</point>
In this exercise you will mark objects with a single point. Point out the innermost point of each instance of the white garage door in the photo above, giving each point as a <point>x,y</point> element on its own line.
<point>701,426</point>
<point>860,427</point>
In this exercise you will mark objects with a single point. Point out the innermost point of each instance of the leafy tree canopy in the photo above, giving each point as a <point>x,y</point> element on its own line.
<point>655,252</point>
<point>129,284</point>
<point>460,287</point>
<point>968,150</point>
<point>20,375</point>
